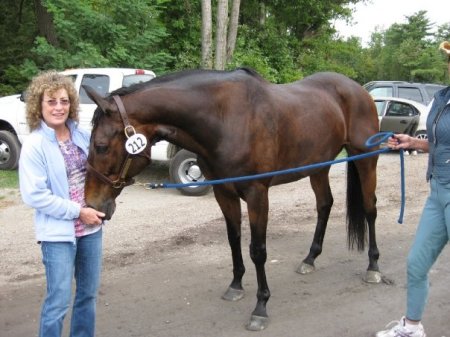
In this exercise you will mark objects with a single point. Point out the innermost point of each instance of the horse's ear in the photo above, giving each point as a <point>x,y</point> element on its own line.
<point>97,98</point>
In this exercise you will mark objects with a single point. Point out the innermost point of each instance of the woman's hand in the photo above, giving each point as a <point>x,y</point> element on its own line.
<point>90,216</point>
<point>400,141</point>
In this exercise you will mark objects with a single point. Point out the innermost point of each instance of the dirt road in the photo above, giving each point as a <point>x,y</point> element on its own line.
<point>167,262</point>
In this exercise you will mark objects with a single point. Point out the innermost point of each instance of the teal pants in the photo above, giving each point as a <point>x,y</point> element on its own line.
<point>431,237</point>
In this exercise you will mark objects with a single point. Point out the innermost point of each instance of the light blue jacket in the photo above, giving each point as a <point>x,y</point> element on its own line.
<point>44,185</point>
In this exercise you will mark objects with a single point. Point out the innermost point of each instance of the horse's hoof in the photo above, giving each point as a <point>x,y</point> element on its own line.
<point>257,323</point>
<point>305,268</point>
<point>233,294</point>
<point>372,276</point>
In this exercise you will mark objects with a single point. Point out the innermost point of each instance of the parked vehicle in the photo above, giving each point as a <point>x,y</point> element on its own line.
<point>14,129</point>
<point>400,115</point>
<point>419,92</point>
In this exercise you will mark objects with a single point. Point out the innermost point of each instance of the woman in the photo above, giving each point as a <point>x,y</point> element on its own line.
<point>52,171</point>
<point>433,231</point>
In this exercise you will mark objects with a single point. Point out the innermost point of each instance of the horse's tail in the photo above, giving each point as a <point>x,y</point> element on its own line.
<point>356,215</point>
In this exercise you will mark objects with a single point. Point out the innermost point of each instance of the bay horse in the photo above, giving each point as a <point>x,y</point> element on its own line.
<point>240,124</point>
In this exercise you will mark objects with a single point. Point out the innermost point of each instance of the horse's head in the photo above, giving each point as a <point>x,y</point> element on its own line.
<point>112,162</point>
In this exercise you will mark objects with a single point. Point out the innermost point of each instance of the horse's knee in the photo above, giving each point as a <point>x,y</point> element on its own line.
<point>258,253</point>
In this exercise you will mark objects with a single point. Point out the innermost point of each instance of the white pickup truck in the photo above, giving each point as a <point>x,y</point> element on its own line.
<point>183,166</point>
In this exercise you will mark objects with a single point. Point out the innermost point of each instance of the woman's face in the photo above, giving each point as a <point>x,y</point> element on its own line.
<point>55,108</point>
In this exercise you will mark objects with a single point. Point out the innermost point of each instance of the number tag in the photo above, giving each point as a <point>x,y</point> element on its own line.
<point>136,143</point>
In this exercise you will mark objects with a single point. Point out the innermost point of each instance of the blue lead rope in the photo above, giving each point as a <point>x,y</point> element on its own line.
<point>379,138</point>
<point>375,140</point>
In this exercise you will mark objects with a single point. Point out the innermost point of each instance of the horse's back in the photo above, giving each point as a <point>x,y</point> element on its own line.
<point>355,103</point>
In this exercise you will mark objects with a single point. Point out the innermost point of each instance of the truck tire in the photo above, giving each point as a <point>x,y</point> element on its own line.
<point>184,169</point>
<point>9,151</point>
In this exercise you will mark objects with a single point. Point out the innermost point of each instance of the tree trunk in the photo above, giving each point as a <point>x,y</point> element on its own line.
<point>262,14</point>
<point>45,23</point>
<point>207,62</point>
<point>232,29</point>
<point>221,35</point>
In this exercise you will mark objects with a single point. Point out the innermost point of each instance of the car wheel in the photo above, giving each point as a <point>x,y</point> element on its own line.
<point>184,169</point>
<point>9,151</point>
<point>421,134</point>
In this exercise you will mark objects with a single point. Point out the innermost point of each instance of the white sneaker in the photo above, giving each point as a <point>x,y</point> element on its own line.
<point>398,329</point>
<point>414,153</point>
<point>406,153</point>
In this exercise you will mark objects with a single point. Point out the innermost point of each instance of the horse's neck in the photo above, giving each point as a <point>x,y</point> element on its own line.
<point>182,120</point>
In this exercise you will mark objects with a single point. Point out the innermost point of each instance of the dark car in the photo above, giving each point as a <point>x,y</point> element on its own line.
<point>419,92</point>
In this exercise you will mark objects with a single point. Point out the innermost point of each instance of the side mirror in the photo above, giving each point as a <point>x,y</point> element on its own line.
<point>23,96</point>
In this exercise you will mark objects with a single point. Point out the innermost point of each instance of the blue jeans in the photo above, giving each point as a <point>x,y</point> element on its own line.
<point>431,237</point>
<point>62,261</point>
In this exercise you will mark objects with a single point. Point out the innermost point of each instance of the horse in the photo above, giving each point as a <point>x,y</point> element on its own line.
<point>240,124</point>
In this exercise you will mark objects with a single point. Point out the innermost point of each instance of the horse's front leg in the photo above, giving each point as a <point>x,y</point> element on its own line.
<point>324,201</point>
<point>231,208</point>
<point>258,207</point>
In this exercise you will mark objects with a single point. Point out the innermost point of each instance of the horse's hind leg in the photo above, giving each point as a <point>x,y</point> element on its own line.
<point>368,178</point>
<point>324,201</point>
<point>231,209</point>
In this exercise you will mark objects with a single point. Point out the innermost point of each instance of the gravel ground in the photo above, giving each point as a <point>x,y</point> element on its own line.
<point>167,261</point>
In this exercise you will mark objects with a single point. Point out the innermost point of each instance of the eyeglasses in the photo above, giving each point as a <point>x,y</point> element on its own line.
<point>54,102</point>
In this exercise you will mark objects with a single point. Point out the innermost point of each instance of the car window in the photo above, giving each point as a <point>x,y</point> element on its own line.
<point>382,91</point>
<point>73,77</point>
<point>413,94</point>
<point>133,79</point>
<point>431,89</point>
<point>398,109</point>
<point>380,107</point>
<point>99,83</point>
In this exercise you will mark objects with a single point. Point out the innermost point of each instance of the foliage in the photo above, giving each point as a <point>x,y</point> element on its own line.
<point>93,34</point>
<point>409,51</point>
<point>182,19</point>
<point>18,27</point>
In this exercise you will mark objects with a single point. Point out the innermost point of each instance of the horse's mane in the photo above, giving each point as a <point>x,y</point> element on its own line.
<point>185,75</point>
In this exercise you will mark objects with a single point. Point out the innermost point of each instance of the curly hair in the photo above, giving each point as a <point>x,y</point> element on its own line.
<point>50,82</point>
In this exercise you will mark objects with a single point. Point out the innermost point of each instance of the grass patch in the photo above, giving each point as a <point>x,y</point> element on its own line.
<point>9,179</point>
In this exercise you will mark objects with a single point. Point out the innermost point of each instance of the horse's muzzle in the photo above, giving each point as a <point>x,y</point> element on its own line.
<point>107,207</point>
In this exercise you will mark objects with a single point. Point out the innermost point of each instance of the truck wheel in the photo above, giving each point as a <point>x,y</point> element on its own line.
<point>9,151</point>
<point>184,169</point>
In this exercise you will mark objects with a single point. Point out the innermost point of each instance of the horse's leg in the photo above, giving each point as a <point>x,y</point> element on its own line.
<point>368,178</point>
<point>324,201</point>
<point>258,206</point>
<point>231,209</point>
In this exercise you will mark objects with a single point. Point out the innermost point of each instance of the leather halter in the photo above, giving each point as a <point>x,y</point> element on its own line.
<point>122,179</point>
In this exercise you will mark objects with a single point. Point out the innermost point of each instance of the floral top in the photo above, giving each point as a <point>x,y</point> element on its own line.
<point>75,160</point>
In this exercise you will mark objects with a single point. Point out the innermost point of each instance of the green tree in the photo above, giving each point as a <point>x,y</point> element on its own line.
<point>409,51</point>
<point>88,33</point>
<point>18,26</point>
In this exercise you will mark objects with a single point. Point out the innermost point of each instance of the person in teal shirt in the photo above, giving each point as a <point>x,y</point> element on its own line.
<point>433,231</point>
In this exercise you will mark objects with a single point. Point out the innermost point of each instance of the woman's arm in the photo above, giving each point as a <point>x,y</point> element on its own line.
<point>402,141</point>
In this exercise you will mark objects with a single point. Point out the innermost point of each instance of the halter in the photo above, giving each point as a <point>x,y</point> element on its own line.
<point>129,130</point>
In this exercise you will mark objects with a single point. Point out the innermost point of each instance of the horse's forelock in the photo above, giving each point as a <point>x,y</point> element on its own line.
<point>98,114</point>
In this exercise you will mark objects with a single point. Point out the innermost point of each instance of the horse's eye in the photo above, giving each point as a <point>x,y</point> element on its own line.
<point>101,149</point>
